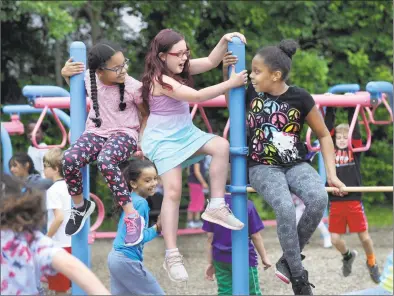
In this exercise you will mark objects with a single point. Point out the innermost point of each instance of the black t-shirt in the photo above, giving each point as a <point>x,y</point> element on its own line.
<point>347,163</point>
<point>275,124</point>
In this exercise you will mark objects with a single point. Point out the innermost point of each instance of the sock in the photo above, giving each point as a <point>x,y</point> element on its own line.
<point>79,205</point>
<point>169,251</point>
<point>216,202</point>
<point>371,259</point>
<point>347,255</point>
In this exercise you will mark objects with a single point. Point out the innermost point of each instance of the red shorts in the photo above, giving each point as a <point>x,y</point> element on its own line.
<point>59,282</point>
<point>347,213</point>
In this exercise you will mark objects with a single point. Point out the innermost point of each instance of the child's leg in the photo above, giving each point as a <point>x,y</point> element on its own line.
<point>117,148</point>
<point>270,183</point>
<point>224,277</point>
<point>172,187</point>
<point>368,247</point>
<point>305,182</point>
<point>217,212</point>
<point>80,153</point>
<point>339,243</point>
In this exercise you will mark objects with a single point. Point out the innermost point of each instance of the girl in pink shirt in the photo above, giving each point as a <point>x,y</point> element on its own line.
<point>110,137</point>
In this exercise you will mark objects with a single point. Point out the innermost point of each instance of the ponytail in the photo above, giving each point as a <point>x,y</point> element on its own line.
<point>93,91</point>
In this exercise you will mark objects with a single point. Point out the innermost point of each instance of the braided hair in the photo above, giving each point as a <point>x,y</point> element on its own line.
<point>97,58</point>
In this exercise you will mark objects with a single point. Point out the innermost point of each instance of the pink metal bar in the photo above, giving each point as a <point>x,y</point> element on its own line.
<point>351,129</point>
<point>56,102</point>
<point>101,212</point>
<point>226,129</point>
<point>194,110</point>
<point>15,126</point>
<point>205,118</point>
<point>59,124</point>
<point>372,114</point>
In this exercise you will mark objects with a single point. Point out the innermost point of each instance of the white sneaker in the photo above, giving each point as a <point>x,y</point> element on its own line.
<point>173,264</point>
<point>190,224</point>
<point>222,216</point>
<point>327,242</point>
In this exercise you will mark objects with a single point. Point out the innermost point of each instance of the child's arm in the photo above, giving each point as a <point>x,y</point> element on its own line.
<point>183,92</point>
<point>199,176</point>
<point>259,245</point>
<point>316,123</point>
<point>228,60</point>
<point>71,68</point>
<point>210,270</point>
<point>59,217</point>
<point>143,120</point>
<point>356,137</point>
<point>202,65</point>
<point>67,264</point>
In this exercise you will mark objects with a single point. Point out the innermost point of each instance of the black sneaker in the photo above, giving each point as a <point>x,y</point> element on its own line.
<point>301,284</point>
<point>283,270</point>
<point>78,217</point>
<point>374,273</point>
<point>347,264</point>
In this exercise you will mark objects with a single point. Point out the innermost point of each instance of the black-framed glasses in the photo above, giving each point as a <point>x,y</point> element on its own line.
<point>119,69</point>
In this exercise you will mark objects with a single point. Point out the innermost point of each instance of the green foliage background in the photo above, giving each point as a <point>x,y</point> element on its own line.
<point>340,42</point>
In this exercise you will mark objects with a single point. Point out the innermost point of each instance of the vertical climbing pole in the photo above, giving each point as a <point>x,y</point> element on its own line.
<point>238,152</point>
<point>80,246</point>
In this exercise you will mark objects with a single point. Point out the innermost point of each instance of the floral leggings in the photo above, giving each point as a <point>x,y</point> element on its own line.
<point>108,152</point>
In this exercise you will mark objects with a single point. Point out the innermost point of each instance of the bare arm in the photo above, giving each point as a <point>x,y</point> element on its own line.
<point>210,270</point>
<point>67,264</point>
<point>259,245</point>
<point>316,123</point>
<point>59,217</point>
<point>144,119</point>
<point>184,93</point>
<point>199,176</point>
<point>228,60</point>
<point>202,65</point>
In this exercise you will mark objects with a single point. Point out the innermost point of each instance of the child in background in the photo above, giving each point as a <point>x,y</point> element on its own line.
<point>300,208</point>
<point>21,166</point>
<point>276,113</point>
<point>125,263</point>
<point>111,134</point>
<point>37,155</point>
<point>349,210</point>
<point>171,140</point>
<point>26,254</point>
<point>58,203</point>
<point>220,252</point>
<point>197,184</point>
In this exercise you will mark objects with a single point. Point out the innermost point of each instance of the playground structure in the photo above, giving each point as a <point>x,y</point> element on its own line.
<point>47,99</point>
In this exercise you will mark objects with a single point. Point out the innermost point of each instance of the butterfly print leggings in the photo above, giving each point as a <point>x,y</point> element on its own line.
<point>275,184</point>
<point>108,152</point>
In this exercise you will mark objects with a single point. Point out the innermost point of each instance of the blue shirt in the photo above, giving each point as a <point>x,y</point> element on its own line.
<point>135,252</point>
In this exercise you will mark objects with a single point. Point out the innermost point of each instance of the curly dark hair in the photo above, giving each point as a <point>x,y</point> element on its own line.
<point>22,209</point>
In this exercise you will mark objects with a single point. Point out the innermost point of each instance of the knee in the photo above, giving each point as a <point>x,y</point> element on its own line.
<point>103,162</point>
<point>222,147</point>
<point>173,191</point>
<point>67,160</point>
<point>335,238</point>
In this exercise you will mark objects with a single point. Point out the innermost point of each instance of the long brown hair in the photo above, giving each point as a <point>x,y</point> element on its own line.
<point>22,209</point>
<point>155,68</point>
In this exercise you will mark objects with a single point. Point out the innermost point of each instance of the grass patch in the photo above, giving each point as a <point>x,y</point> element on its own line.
<point>379,216</point>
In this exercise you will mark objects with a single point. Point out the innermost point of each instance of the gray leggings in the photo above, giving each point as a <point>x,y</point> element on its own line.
<point>275,184</point>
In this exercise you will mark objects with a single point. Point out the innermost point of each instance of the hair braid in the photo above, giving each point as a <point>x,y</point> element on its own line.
<point>93,90</point>
<point>122,105</point>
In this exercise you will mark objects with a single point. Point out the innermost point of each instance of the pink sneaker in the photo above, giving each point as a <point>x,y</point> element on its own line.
<point>176,271</point>
<point>222,216</point>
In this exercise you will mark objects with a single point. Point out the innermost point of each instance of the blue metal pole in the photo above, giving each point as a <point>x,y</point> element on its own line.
<point>238,151</point>
<point>80,246</point>
<point>6,149</point>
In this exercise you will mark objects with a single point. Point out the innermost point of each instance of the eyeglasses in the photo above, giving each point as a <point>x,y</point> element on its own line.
<point>180,54</point>
<point>119,69</point>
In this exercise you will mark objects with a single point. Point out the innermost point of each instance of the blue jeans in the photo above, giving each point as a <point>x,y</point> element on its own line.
<point>371,291</point>
<point>130,277</point>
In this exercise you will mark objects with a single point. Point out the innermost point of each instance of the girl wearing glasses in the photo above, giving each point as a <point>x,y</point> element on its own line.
<point>110,137</point>
<point>172,142</point>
